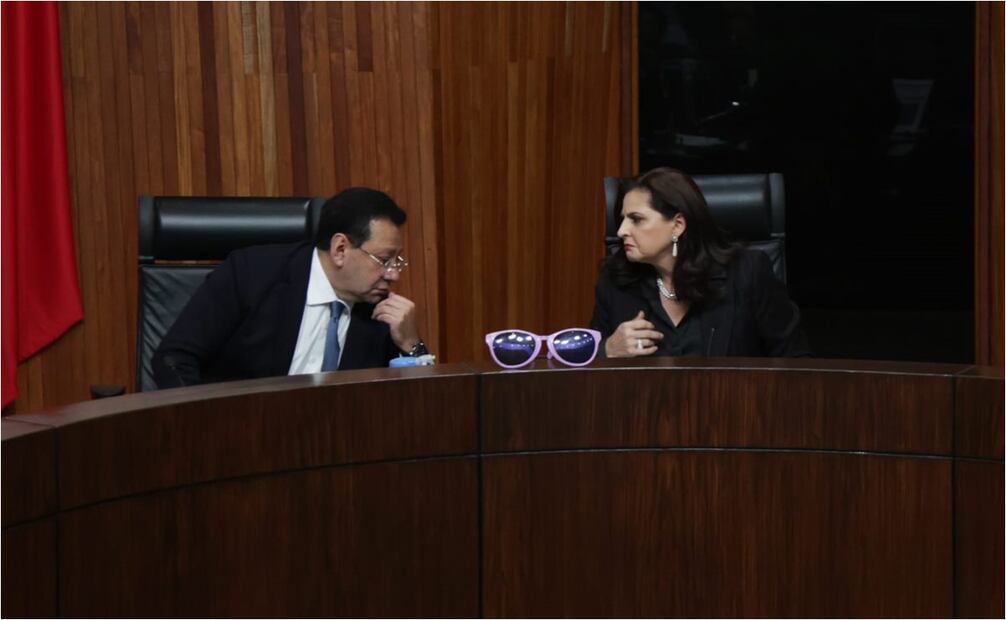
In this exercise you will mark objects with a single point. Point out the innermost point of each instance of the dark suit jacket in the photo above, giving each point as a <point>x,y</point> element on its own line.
<point>753,317</point>
<point>243,322</point>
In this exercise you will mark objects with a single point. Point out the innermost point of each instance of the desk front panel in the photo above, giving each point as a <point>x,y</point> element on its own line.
<point>672,533</point>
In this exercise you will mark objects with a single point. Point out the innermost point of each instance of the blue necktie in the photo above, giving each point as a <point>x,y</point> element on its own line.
<point>331,359</point>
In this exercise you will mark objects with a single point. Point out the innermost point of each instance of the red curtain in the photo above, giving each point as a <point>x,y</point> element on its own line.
<point>41,298</point>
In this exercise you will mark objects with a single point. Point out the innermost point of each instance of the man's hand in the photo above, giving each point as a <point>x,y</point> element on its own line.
<point>400,315</point>
<point>633,338</point>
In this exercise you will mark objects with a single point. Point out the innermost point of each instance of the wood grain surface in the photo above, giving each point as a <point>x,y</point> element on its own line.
<point>720,408</point>
<point>28,472</point>
<point>979,542</point>
<point>989,169</point>
<point>492,145</point>
<point>382,540</point>
<point>716,534</point>
<point>794,488</point>
<point>271,425</point>
<point>30,574</point>
<point>979,429</point>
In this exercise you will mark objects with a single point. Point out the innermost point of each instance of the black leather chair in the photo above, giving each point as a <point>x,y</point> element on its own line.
<point>182,239</point>
<point>751,208</point>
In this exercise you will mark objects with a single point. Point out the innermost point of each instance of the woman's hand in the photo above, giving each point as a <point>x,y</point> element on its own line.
<point>633,338</point>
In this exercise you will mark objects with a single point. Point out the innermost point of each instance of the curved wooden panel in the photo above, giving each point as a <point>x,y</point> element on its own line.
<point>383,540</point>
<point>178,437</point>
<point>29,471</point>
<point>721,404</point>
<point>708,487</point>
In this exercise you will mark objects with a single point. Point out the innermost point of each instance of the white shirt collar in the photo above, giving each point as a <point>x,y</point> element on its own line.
<point>319,289</point>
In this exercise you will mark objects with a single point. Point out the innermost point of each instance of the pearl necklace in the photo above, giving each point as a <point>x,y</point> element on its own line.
<point>666,294</point>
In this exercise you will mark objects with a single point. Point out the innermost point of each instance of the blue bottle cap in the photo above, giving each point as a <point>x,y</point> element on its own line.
<point>402,362</point>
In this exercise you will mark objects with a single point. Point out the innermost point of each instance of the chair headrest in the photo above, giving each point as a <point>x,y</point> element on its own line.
<point>209,228</point>
<point>750,206</point>
<point>740,203</point>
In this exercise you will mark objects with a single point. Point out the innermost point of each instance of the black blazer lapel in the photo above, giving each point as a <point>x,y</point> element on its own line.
<point>293,294</point>
<point>717,321</point>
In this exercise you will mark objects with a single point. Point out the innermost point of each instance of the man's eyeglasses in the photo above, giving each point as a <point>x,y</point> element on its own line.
<point>513,348</point>
<point>397,263</point>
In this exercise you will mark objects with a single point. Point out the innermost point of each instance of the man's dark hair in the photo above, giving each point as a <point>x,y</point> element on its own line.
<point>350,212</point>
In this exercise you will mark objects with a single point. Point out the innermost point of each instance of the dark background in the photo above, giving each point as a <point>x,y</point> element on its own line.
<point>868,110</point>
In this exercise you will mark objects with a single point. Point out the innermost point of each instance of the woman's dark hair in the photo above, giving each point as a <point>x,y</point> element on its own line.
<point>350,212</point>
<point>700,248</point>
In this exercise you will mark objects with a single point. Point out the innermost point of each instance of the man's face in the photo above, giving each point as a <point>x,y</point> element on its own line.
<point>363,279</point>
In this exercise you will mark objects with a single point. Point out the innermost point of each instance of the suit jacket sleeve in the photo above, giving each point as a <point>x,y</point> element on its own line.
<point>201,330</point>
<point>601,318</point>
<point>777,317</point>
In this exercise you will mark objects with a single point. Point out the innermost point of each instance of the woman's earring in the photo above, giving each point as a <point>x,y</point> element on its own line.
<point>674,248</point>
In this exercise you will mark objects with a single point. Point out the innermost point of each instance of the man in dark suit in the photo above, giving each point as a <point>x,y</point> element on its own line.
<point>300,308</point>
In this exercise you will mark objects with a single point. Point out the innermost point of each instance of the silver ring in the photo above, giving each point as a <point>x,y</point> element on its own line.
<point>639,344</point>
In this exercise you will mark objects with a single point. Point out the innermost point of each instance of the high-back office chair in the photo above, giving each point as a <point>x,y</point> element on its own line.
<point>750,207</point>
<point>182,239</point>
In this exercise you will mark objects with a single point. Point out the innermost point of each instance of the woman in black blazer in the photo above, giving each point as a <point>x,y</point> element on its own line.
<point>677,287</point>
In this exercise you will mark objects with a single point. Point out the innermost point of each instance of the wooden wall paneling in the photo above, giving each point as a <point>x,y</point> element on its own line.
<point>180,91</point>
<point>253,97</point>
<point>529,266</point>
<point>267,93</point>
<point>358,137</point>
<point>400,27</point>
<point>524,149</point>
<point>133,80</point>
<point>161,31</point>
<point>315,172</point>
<point>123,253</point>
<point>381,93</point>
<point>298,110</point>
<point>151,130</point>
<point>89,153</point>
<point>371,173</point>
<point>454,239</point>
<point>426,124</point>
<point>221,100</point>
<point>208,62</point>
<point>516,90</point>
<point>478,138</point>
<point>238,112</point>
<point>195,98</point>
<point>338,90</point>
<point>325,174</point>
<point>283,104</point>
<point>989,170</point>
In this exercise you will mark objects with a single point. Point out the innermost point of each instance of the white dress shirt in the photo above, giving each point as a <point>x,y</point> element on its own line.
<point>310,351</point>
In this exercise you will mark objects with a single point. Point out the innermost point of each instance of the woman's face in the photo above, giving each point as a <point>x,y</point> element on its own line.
<point>645,232</point>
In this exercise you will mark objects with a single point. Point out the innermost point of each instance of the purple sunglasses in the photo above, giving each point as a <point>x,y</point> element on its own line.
<point>513,348</point>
